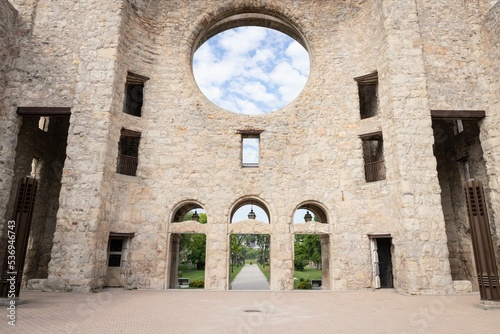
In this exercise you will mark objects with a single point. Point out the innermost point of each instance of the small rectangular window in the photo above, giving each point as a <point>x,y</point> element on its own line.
<point>250,147</point>
<point>373,155</point>
<point>368,95</point>
<point>128,152</point>
<point>115,249</point>
<point>250,152</point>
<point>134,90</point>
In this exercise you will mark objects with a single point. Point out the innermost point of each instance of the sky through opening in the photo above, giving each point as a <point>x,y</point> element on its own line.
<point>251,70</point>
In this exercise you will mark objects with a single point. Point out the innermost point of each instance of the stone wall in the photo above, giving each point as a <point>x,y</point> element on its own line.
<point>8,53</point>
<point>450,35</point>
<point>490,137</point>
<point>300,149</point>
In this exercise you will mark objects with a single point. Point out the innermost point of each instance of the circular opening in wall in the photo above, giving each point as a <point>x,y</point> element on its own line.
<point>246,68</point>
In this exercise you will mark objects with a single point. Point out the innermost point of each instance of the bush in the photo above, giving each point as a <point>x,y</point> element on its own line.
<point>197,284</point>
<point>301,279</point>
<point>306,285</point>
<point>299,264</point>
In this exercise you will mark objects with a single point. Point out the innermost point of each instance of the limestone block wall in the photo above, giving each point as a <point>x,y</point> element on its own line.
<point>423,261</point>
<point>7,40</point>
<point>81,217</point>
<point>67,56</point>
<point>450,35</point>
<point>7,55</point>
<point>310,150</point>
<point>490,138</point>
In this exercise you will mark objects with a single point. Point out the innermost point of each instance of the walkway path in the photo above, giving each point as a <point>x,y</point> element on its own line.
<point>250,278</point>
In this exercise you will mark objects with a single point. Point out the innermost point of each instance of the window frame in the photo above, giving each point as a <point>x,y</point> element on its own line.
<point>250,134</point>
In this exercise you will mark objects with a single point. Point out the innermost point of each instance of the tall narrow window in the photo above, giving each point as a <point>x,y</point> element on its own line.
<point>368,94</point>
<point>250,147</point>
<point>134,88</point>
<point>128,152</point>
<point>373,155</point>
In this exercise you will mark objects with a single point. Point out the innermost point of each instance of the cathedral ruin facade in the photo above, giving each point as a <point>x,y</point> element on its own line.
<point>99,104</point>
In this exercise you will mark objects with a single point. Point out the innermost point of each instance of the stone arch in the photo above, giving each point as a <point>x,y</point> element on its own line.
<point>252,201</point>
<point>238,17</point>
<point>316,208</point>
<point>184,207</point>
<point>176,231</point>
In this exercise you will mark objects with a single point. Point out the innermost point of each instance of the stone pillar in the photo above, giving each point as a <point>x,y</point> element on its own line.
<point>490,137</point>
<point>9,121</point>
<point>78,260</point>
<point>217,257</point>
<point>325,261</point>
<point>281,257</point>
<point>174,261</point>
<point>421,258</point>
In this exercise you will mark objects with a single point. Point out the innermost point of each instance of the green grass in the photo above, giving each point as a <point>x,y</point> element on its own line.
<point>193,275</point>
<point>307,274</point>
<point>265,270</point>
<point>234,271</point>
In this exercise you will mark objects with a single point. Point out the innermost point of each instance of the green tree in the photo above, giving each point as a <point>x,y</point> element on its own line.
<point>197,250</point>
<point>237,246</point>
<point>192,247</point>
<point>307,249</point>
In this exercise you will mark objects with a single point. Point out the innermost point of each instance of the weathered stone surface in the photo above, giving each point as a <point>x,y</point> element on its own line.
<point>77,54</point>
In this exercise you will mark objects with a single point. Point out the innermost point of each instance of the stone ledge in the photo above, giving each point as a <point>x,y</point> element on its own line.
<point>36,284</point>
<point>462,286</point>
<point>488,305</point>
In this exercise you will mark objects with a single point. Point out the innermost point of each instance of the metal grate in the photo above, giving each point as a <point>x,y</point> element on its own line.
<point>375,171</point>
<point>482,243</point>
<point>25,202</point>
<point>127,165</point>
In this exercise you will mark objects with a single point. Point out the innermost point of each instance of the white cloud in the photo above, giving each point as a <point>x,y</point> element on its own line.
<point>251,70</point>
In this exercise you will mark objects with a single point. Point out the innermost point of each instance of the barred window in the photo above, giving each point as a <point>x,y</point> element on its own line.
<point>373,155</point>
<point>128,152</point>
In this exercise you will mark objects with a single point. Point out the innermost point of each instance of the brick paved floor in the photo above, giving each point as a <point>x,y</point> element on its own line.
<point>188,311</point>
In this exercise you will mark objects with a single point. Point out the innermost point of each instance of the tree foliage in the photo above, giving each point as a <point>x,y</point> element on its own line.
<point>192,247</point>
<point>249,246</point>
<point>307,250</point>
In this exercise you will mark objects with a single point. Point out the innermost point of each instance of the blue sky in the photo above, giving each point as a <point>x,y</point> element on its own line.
<point>251,70</point>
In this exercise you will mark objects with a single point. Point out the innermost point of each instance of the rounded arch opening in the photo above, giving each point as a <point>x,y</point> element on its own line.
<point>254,18</point>
<point>250,209</point>
<point>251,62</point>
<point>309,212</point>
<point>190,211</point>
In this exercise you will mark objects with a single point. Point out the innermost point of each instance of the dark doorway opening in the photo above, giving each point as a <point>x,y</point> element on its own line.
<point>40,154</point>
<point>459,156</point>
<point>385,262</point>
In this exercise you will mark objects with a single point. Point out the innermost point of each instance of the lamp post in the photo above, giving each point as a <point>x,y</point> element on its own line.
<point>195,216</point>
<point>251,214</point>
<point>307,217</point>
